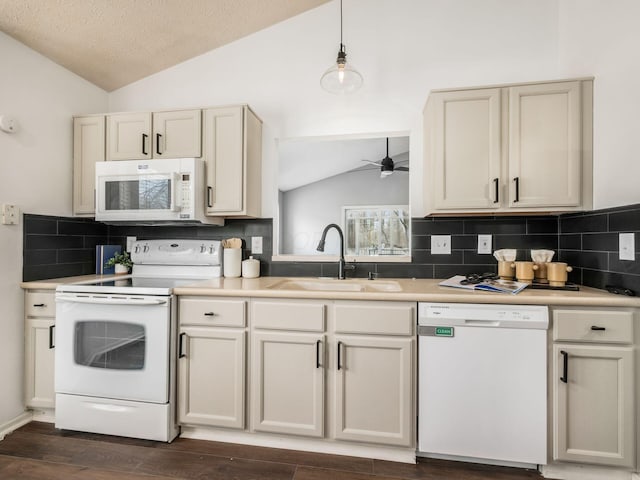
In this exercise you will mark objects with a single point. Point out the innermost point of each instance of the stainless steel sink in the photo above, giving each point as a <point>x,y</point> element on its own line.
<point>335,285</point>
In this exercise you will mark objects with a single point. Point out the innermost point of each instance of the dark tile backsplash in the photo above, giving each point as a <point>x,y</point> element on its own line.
<point>58,246</point>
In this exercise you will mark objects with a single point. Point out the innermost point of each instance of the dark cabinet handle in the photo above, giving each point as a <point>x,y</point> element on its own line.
<point>39,305</point>
<point>158,137</point>
<point>144,143</point>
<point>318,354</point>
<point>181,353</point>
<point>601,329</point>
<point>517,180</point>
<point>51,342</point>
<point>209,196</point>
<point>339,358</point>
<point>496,185</point>
<point>565,366</point>
<point>209,314</point>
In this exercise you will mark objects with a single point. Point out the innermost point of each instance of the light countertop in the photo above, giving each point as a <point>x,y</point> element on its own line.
<point>412,290</point>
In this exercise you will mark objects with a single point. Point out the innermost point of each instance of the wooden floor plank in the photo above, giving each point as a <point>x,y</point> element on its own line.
<point>428,468</point>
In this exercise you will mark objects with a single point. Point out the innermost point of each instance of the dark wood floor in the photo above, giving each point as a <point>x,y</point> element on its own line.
<point>38,451</point>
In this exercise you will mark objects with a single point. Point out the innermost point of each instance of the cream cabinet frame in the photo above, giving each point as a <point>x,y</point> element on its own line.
<point>88,149</point>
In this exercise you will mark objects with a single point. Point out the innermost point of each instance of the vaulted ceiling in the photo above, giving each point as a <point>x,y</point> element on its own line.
<point>112,43</point>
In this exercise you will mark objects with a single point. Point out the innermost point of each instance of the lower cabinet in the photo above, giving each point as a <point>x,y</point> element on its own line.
<point>211,361</point>
<point>39,349</point>
<point>593,386</point>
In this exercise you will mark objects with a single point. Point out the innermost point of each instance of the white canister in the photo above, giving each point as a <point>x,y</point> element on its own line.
<point>232,258</point>
<point>251,268</point>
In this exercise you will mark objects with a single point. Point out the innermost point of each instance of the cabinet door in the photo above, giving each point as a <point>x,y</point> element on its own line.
<point>374,390</point>
<point>211,377</point>
<point>287,394</point>
<point>593,412</point>
<point>466,149</point>
<point>129,136</point>
<point>545,145</point>
<point>88,148</point>
<point>223,134</point>
<point>177,134</point>
<point>39,363</point>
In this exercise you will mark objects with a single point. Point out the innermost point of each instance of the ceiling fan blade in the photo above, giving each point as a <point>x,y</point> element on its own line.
<point>371,162</point>
<point>402,169</point>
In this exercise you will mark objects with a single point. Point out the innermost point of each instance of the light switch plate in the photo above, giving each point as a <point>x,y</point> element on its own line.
<point>484,244</point>
<point>256,245</point>
<point>10,214</point>
<point>441,244</point>
<point>627,246</point>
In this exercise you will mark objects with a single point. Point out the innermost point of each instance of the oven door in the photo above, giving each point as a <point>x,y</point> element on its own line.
<point>113,346</point>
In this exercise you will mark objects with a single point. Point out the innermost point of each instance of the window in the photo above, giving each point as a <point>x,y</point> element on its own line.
<point>377,230</point>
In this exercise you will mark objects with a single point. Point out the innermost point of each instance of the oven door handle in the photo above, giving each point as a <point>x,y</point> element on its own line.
<point>111,301</point>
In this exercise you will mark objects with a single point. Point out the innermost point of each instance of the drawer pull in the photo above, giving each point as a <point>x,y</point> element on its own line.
<point>209,314</point>
<point>39,305</point>
<point>600,329</point>
<point>565,366</point>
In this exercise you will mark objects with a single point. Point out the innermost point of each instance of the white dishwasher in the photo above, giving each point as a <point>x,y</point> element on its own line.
<point>482,383</point>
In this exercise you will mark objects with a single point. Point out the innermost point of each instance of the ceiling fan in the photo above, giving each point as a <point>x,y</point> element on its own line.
<point>386,165</point>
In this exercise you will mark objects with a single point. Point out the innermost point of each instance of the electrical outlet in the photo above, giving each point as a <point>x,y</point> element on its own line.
<point>441,244</point>
<point>256,245</point>
<point>627,246</point>
<point>10,214</point>
<point>484,244</point>
<point>130,241</point>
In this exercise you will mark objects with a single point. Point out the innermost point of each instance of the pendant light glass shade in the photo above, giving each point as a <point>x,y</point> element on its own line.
<point>342,77</point>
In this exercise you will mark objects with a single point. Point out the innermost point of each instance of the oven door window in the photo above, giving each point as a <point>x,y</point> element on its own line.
<point>139,194</point>
<point>110,345</point>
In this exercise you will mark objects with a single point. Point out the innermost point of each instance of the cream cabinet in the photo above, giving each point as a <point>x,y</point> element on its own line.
<point>40,310</point>
<point>232,150</point>
<point>288,367</point>
<point>374,373</point>
<point>211,361</point>
<point>139,136</point>
<point>88,149</point>
<point>593,387</point>
<point>513,148</point>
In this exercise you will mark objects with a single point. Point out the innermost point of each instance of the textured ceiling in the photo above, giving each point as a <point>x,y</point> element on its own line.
<point>112,43</point>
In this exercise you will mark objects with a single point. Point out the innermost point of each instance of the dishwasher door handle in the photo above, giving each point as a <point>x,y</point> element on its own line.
<point>482,323</point>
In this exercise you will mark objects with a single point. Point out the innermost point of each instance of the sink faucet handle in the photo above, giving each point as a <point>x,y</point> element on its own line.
<point>373,275</point>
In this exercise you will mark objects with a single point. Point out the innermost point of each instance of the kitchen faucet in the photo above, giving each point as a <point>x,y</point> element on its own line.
<point>341,262</point>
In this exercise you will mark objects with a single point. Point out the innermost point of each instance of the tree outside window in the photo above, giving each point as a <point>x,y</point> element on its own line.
<point>376,230</point>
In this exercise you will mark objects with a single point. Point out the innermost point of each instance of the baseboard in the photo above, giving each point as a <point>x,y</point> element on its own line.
<point>392,454</point>
<point>47,415</point>
<point>15,423</point>
<point>586,472</point>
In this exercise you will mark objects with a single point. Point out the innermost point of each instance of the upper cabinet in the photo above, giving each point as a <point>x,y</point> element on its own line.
<point>233,157</point>
<point>518,148</point>
<point>138,136</point>
<point>88,148</point>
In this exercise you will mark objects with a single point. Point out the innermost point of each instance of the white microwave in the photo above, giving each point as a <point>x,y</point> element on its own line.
<point>149,192</point>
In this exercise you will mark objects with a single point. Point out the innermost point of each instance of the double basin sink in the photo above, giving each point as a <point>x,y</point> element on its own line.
<point>335,285</point>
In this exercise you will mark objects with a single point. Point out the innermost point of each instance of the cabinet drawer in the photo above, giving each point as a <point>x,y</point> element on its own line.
<point>376,318</point>
<point>40,304</point>
<point>212,312</point>
<point>293,315</point>
<point>601,326</point>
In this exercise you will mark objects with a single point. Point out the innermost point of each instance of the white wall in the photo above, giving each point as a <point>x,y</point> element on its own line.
<point>601,38</point>
<point>403,48</point>
<point>36,176</point>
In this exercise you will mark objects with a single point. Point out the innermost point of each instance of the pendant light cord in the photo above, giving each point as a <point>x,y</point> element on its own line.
<point>341,45</point>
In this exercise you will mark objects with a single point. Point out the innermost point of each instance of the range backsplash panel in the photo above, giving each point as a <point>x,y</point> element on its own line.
<point>59,246</point>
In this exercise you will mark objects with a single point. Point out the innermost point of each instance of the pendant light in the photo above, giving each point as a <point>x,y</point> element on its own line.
<point>341,78</point>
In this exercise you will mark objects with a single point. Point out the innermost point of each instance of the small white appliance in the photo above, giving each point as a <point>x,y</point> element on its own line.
<point>157,191</point>
<point>482,384</point>
<point>116,342</point>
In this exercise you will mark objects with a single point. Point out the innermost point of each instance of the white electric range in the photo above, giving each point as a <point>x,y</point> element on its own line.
<point>116,342</point>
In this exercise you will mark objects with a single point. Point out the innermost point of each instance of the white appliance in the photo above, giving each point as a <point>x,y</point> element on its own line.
<point>152,192</point>
<point>482,384</point>
<point>116,342</point>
